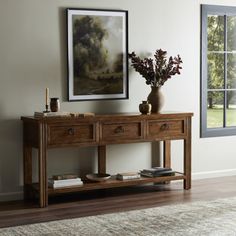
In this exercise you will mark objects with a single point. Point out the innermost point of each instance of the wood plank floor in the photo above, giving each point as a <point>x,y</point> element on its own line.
<point>115,200</point>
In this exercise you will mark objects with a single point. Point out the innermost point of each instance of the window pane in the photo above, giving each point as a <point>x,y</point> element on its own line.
<point>231,109</point>
<point>215,111</point>
<point>231,33</point>
<point>215,31</point>
<point>231,70</point>
<point>215,70</point>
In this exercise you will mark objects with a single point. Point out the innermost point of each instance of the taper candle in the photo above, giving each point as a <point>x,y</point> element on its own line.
<point>47,96</point>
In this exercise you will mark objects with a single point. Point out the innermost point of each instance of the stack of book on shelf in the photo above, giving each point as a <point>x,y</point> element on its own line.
<point>62,181</point>
<point>128,175</point>
<point>51,114</point>
<point>157,172</point>
<point>62,114</point>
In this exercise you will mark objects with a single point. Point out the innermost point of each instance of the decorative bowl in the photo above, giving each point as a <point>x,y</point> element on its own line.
<point>98,177</point>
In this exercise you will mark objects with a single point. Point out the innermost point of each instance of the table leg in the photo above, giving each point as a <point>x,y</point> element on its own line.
<point>42,165</point>
<point>102,159</point>
<point>167,153</point>
<point>27,165</point>
<point>187,156</point>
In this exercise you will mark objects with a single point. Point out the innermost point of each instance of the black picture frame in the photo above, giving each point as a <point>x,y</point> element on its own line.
<point>97,54</point>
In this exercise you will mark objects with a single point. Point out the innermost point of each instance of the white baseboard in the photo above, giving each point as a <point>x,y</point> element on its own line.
<point>11,196</point>
<point>213,174</point>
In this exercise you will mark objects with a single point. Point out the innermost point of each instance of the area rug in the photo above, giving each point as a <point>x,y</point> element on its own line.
<point>214,218</point>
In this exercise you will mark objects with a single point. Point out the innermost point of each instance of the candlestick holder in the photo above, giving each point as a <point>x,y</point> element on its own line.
<point>47,109</point>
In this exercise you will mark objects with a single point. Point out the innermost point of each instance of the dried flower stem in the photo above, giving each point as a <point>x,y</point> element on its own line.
<point>157,73</point>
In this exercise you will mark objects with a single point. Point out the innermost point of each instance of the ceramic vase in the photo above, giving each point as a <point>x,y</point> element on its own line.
<point>156,99</point>
<point>145,107</point>
<point>55,105</point>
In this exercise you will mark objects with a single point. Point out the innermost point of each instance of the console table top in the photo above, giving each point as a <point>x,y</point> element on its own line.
<point>162,115</point>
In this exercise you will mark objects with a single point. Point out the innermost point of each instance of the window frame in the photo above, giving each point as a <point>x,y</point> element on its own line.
<point>204,131</point>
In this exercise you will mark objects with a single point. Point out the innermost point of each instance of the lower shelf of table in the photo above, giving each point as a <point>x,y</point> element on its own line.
<point>111,183</point>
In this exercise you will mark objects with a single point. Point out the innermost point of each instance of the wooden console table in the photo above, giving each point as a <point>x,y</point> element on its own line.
<point>101,130</point>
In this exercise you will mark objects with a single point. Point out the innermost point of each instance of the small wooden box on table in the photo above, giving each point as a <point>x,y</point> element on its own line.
<point>101,130</point>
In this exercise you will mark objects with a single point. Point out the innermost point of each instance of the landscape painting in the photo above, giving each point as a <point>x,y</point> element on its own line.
<point>97,54</point>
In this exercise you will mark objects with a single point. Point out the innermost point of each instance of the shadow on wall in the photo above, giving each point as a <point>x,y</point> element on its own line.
<point>105,106</point>
<point>63,51</point>
<point>79,161</point>
<point>11,166</point>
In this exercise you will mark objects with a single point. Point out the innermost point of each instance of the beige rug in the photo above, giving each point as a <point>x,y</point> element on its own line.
<point>215,218</point>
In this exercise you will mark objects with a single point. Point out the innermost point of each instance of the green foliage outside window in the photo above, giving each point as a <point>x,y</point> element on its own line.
<point>221,58</point>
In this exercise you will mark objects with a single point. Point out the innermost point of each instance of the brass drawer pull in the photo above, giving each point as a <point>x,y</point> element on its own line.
<point>164,127</point>
<point>119,130</point>
<point>71,131</point>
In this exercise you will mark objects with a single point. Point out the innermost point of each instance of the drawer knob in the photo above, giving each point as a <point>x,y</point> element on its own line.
<point>71,131</point>
<point>165,127</point>
<point>119,130</point>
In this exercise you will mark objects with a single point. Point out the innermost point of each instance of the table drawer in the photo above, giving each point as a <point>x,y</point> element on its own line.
<point>165,128</point>
<point>67,134</point>
<point>121,131</point>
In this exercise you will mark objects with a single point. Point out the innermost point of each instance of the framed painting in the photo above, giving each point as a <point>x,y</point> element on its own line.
<point>97,54</point>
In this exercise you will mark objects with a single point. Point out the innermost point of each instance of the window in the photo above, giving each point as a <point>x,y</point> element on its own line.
<point>218,71</point>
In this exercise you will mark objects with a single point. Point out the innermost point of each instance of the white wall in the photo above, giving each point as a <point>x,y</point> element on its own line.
<point>33,56</point>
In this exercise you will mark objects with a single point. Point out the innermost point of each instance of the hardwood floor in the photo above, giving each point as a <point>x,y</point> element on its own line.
<point>115,200</point>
